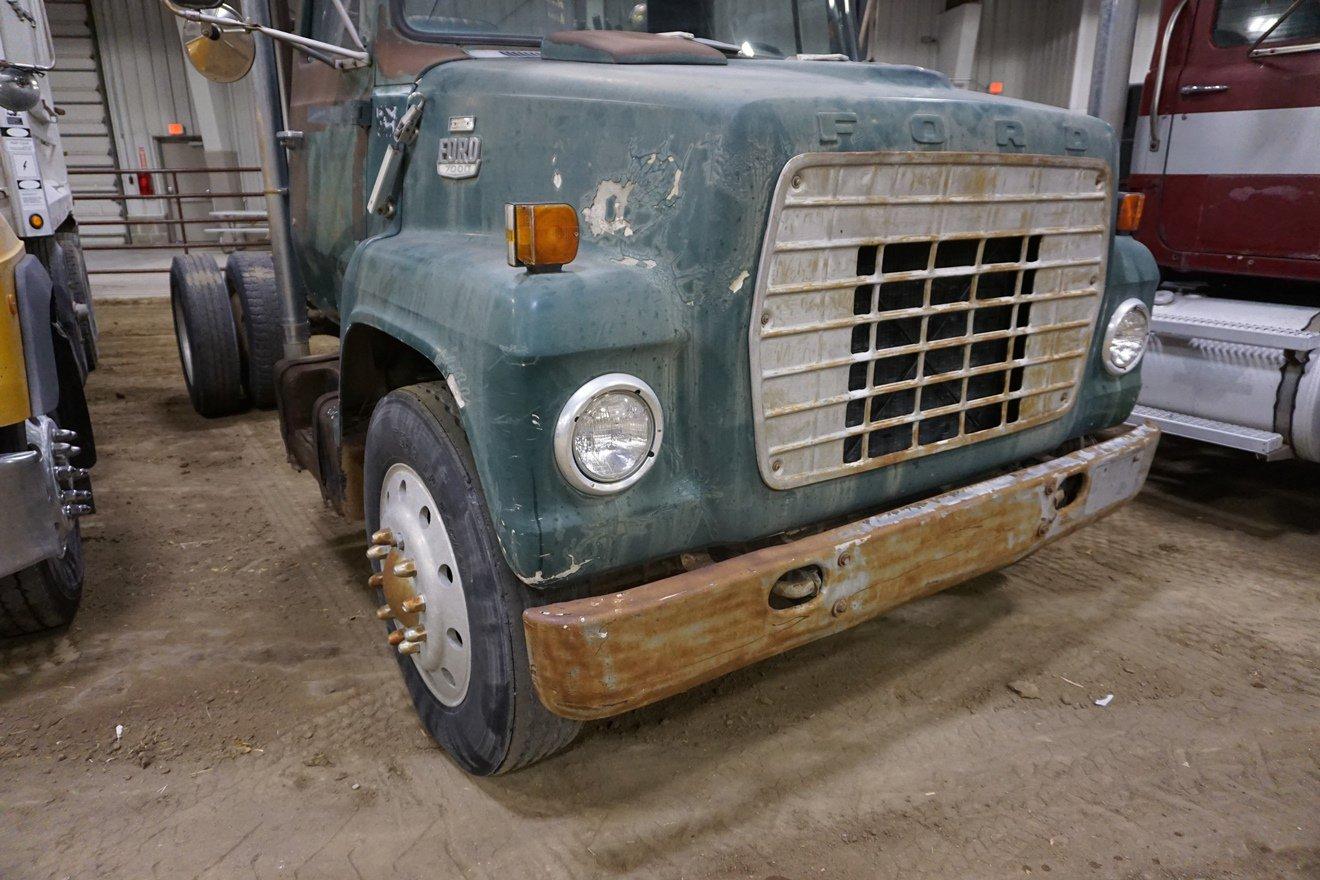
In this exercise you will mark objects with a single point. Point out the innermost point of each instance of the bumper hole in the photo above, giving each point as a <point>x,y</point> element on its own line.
<point>796,587</point>
<point>1069,490</point>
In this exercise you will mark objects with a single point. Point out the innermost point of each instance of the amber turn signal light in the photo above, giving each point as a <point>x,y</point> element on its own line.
<point>1130,206</point>
<point>541,237</point>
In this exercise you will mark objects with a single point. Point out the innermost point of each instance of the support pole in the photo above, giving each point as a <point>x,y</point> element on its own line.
<point>1116,32</point>
<point>275,172</point>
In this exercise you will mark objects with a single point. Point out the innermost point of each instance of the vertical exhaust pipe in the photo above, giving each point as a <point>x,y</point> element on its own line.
<point>275,173</point>
<point>1116,32</point>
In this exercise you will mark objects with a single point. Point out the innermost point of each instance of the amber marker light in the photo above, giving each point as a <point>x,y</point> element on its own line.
<point>996,88</point>
<point>541,237</point>
<point>1130,207</point>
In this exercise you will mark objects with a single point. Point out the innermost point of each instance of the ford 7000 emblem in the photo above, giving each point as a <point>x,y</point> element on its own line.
<point>460,157</point>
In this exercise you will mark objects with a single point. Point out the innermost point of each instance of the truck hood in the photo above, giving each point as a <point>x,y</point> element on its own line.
<point>650,154</point>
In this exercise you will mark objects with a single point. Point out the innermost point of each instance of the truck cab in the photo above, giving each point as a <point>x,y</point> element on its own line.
<point>669,337</point>
<point>1224,154</point>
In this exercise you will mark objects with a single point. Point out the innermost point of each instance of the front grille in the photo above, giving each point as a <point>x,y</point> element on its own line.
<point>909,303</point>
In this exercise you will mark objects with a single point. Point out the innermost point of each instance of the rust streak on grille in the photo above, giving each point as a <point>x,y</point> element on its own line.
<point>909,304</point>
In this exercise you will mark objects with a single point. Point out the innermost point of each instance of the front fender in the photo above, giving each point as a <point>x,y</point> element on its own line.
<point>513,347</point>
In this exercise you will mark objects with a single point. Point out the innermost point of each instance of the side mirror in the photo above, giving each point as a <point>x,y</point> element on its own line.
<point>19,91</point>
<point>219,53</point>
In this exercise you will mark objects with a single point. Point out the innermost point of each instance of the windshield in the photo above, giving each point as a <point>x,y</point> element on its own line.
<point>773,28</point>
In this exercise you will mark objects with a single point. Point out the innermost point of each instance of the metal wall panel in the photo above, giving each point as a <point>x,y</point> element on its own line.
<point>906,31</point>
<point>1031,47</point>
<point>1028,45</point>
<point>85,130</point>
<point>146,87</point>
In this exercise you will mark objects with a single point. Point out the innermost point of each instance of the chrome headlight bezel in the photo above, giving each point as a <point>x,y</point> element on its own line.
<point>1111,330</point>
<point>564,431</point>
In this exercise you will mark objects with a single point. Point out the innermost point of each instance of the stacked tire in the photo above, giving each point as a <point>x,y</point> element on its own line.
<point>227,324</point>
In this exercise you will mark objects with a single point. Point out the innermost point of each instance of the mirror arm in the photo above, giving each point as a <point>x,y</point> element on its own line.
<point>1255,52</point>
<point>338,56</point>
<point>349,26</point>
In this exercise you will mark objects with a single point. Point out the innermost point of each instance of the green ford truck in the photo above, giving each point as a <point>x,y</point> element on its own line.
<point>669,337</point>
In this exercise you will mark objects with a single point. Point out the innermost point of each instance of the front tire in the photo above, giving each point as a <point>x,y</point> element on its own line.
<point>43,596</point>
<point>470,680</point>
<point>208,340</point>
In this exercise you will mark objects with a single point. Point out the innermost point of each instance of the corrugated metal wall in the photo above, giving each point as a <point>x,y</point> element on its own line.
<point>1030,46</point>
<point>85,130</point>
<point>1039,49</point>
<point>906,31</point>
<point>146,87</point>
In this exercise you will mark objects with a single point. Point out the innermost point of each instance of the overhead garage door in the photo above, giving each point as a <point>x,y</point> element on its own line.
<point>79,89</point>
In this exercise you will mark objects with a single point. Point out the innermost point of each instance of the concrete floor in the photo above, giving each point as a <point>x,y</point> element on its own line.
<point>266,733</point>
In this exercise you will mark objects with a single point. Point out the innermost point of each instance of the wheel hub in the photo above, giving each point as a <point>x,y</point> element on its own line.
<point>56,447</point>
<point>422,586</point>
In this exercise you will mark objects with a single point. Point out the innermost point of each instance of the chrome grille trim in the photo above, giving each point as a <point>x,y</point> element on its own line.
<point>997,269</point>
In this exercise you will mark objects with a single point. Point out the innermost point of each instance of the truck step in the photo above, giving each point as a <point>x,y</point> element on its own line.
<point>1263,443</point>
<point>1184,326</point>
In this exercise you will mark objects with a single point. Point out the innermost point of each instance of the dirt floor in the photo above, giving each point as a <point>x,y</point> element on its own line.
<point>266,732</point>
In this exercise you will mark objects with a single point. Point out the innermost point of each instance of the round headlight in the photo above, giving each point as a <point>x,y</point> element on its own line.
<point>608,434</point>
<point>1126,336</point>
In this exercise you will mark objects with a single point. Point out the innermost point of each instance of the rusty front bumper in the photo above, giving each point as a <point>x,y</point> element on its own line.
<point>596,657</point>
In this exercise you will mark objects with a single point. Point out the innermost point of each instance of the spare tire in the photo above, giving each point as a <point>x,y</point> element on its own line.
<point>208,340</point>
<point>251,281</point>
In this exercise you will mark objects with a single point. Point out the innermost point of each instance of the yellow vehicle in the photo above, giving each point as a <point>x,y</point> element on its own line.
<point>46,445</point>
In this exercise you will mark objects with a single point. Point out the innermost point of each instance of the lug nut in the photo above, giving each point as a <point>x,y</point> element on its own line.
<point>376,582</point>
<point>383,538</point>
<point>377,552</point>
<point>405,569</point>
<point>410,648</point>
<point>75,496</point>
<point>396,638</point>
<point>64,435</point>
<point>415,634</point>
<point>64,450</point>
<point>66,473</point>
<point>840,608</point>
<point>384,612</point>
<point>414,604</point>
<point>76,510</point>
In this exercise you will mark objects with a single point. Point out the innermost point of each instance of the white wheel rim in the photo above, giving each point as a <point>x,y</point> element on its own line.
<point>408,510</point>
<point>185,344</point>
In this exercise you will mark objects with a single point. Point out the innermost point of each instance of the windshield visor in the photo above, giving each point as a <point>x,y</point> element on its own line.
<point>768,28</point>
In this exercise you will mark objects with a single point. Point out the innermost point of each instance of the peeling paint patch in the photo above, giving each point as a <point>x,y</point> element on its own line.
<point>736,284</point>
<point>676,190</point>
<point>633,261</point>
<point>606,215</point>
<point>540,578</point>
<point>453,389</point>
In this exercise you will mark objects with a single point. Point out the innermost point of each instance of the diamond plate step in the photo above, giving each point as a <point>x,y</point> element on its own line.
<point>1265,443</point>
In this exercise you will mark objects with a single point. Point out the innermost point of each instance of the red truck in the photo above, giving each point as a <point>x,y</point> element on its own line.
<point>1226,149</point>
